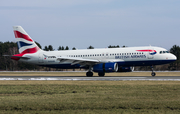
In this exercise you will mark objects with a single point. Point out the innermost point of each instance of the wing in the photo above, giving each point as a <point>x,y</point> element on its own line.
<point>85,62</point>
<point>81,61</point>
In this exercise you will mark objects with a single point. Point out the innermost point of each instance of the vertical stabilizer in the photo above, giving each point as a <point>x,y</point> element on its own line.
<point>25,43</point>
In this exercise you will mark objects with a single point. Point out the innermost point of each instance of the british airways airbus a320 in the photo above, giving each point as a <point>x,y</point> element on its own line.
<point>95,60</point>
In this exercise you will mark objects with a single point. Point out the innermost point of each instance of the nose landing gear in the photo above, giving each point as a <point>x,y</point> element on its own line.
<point>153,73</point>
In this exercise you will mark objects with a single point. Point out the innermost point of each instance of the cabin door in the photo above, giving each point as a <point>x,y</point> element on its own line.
<point>40,58</point>
<point>106,55</point>
<point>150,54</point>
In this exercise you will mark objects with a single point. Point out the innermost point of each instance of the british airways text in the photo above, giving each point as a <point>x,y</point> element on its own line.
<point>130,56</point>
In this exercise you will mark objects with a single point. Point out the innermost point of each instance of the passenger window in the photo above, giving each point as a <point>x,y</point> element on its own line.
<point>164,51</point>
<point>160,52</point>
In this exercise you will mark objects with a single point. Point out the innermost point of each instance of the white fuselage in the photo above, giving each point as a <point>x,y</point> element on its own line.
<point>129,56</point>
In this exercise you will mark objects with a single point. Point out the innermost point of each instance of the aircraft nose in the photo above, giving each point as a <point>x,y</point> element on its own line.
<point>173,57</point>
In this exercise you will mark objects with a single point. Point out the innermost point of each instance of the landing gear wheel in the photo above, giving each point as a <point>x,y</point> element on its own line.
<point>101,74</point>
<point>153,74</point>
<point>89,74</point>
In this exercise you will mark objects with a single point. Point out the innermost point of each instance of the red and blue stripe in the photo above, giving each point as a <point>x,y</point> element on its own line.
<point>151,52</point>
<point>23,44</point>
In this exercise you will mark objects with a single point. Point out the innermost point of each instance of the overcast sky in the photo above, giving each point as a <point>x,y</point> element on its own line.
<point>100,23</point>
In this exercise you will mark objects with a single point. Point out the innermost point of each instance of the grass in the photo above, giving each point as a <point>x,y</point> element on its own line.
<point>84,74</point>
<point>104,97</point>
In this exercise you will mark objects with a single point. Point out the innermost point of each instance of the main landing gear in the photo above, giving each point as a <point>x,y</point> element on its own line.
<point>101,74</point>
<point>90,73</point>
<point>153,73</point>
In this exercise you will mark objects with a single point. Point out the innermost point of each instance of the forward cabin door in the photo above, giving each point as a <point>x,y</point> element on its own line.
<point>150,54</point>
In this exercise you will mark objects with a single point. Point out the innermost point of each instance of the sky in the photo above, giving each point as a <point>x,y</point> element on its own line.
<point>99,23</point>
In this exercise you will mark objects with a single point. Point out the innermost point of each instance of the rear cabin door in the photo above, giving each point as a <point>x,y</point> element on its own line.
<point>40,58</point>
<point>106,55</point>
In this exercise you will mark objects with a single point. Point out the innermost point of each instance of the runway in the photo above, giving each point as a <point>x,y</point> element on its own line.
<point>83,78</point>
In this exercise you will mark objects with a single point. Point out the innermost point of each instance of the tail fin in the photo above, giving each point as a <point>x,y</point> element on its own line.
<point>25,44</point>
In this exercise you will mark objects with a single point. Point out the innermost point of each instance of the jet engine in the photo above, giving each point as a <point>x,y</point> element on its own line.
<point>106,67</point>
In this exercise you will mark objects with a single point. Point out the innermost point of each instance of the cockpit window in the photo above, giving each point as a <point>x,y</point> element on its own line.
<point>162,52</point>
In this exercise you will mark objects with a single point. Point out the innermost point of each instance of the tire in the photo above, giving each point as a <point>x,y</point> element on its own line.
<point>89,74</point>
<point>153,74</point>
<point>101,74</point>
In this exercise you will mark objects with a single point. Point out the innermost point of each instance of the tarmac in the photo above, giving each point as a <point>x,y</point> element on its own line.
<point>84,78</point>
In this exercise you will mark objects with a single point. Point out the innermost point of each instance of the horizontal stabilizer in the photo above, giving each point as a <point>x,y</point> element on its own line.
<point>12,56</point>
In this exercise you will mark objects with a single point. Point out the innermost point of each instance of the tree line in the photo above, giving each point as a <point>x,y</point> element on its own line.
<point>10,48</point>
<point>50,47</point>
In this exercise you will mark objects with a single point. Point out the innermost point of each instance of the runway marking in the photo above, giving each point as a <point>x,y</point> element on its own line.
<point>95,78</point>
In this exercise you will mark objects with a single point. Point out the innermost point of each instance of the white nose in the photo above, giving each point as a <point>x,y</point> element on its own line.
<point>173,57</point>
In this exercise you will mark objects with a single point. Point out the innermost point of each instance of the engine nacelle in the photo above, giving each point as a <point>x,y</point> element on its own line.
<point>105,67</point>
<point>125,69</point>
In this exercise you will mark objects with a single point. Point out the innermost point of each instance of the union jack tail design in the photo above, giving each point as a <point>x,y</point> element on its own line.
<point>25,44</point>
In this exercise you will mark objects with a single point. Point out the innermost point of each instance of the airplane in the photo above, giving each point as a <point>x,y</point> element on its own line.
<point>102,61</point>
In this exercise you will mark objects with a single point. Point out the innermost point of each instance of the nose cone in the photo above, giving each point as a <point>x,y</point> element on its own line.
<point>173,57</point>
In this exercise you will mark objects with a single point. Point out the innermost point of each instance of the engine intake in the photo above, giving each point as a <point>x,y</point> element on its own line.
<point>105,67</point>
